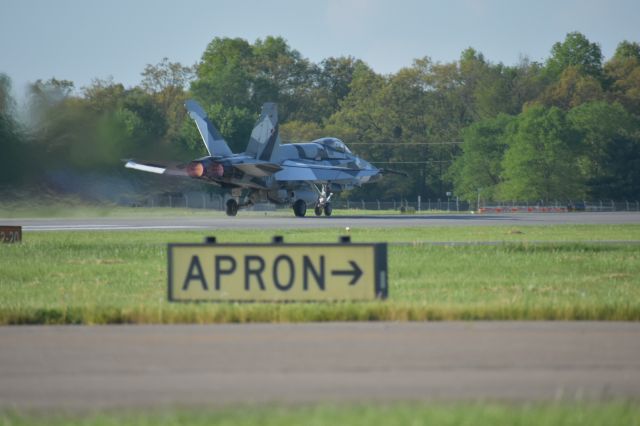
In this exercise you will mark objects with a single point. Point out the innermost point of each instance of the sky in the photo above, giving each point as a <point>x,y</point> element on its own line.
<point>80,40</point>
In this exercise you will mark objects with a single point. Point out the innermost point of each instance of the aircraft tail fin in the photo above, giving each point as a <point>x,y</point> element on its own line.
<point>265,141</point>
<point>213,140</point>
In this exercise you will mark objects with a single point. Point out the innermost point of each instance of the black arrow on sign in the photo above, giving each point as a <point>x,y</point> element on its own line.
<point>355,271</point>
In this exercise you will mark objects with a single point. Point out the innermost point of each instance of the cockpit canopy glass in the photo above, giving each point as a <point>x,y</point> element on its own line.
<point>334,144</point>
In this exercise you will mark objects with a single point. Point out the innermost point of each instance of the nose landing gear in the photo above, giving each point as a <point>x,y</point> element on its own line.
<point>328,209</point>
<point>323,204</point>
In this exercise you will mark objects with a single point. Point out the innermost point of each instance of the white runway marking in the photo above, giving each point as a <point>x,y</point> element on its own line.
<point>249,221</point>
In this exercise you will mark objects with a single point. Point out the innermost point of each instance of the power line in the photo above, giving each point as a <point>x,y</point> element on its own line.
<point>405,143</point>
<point>411,162</point>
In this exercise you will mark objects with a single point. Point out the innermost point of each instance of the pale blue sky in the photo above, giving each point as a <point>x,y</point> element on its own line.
<point>82,39</point>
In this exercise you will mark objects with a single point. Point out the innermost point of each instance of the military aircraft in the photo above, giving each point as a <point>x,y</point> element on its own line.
<point>295,174</point>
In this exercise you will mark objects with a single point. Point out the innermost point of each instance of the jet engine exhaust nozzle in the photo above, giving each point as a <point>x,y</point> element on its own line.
<point>195,169</point>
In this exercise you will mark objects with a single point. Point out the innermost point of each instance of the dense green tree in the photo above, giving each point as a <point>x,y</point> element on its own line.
<point>623,72</point>
<point>147,124</point>
<point>478,170</point>
<point>166,76</point>
<point>489,89</point>
<point>328,84</point>
<point>471,71</point>
<point>366,122</point>
<point>409,127</point>
<point>335,77</point>
<point>103,96</point>
<point>279,74</point>
<point>577,51</point>
<point>541,161</point>
<point>362,112</point>
<point>300,131</point>
<point>166,83</point>
<point>223,74</point>
<point>627,50</point>
<point>573,88</point>
<point>527,83</point>
<point>611,157</point>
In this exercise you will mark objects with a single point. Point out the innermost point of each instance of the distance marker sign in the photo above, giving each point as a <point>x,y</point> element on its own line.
<point>277,272</point>
<point>10,234</point>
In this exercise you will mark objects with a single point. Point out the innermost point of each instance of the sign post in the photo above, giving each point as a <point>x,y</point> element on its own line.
<point>277,272</point>
<point>10,234</point>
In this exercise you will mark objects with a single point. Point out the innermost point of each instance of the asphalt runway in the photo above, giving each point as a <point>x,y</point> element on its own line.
<point>284,221</point>
<point>98,367</point>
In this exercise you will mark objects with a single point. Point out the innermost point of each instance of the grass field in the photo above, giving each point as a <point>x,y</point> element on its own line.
<point>612,413</point>
<point>120,277</point>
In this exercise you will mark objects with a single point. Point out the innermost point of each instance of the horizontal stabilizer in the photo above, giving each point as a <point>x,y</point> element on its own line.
<point>178,170</point>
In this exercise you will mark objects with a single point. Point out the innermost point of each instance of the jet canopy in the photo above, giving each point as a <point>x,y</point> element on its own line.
<point>334,144</point>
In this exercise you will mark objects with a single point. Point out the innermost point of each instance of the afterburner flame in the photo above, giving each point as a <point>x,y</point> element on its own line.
<point>195,169</point>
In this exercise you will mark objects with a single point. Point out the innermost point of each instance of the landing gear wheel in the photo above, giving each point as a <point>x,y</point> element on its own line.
<point>300,208</point>
<point>328,209</point>
<point>232,207</point>
<point>318,210</point>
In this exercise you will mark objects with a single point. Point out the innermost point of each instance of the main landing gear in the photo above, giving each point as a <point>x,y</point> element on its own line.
<point>232,207</point>
<point>236,203</point>
<point>300,208</point>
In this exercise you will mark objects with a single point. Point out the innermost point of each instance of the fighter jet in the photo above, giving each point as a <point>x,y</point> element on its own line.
<point>299,175</point>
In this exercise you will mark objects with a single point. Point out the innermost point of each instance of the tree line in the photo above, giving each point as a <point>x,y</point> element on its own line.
<point>567,128</point>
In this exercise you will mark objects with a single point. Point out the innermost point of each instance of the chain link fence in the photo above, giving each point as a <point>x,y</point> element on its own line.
<point>211,201</point>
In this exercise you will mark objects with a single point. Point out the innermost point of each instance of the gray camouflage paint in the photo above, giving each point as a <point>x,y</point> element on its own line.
<point>270,170</point>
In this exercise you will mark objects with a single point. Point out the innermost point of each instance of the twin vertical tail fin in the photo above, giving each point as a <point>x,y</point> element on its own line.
<point>265,141</point>
<point>213,140</point>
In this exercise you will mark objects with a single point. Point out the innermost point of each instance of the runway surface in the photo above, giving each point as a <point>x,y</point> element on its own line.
<point>80,367</point>
<point>284,221</point>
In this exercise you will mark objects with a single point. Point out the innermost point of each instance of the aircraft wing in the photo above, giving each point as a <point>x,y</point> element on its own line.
<point>317,173</point>
<point>152,167</point>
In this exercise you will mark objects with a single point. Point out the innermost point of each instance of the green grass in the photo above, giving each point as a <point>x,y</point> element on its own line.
<point>611,413</point>
<point>120,277</point>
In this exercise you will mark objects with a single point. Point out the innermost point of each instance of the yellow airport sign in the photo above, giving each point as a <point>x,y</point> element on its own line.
<point>277,272</point>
